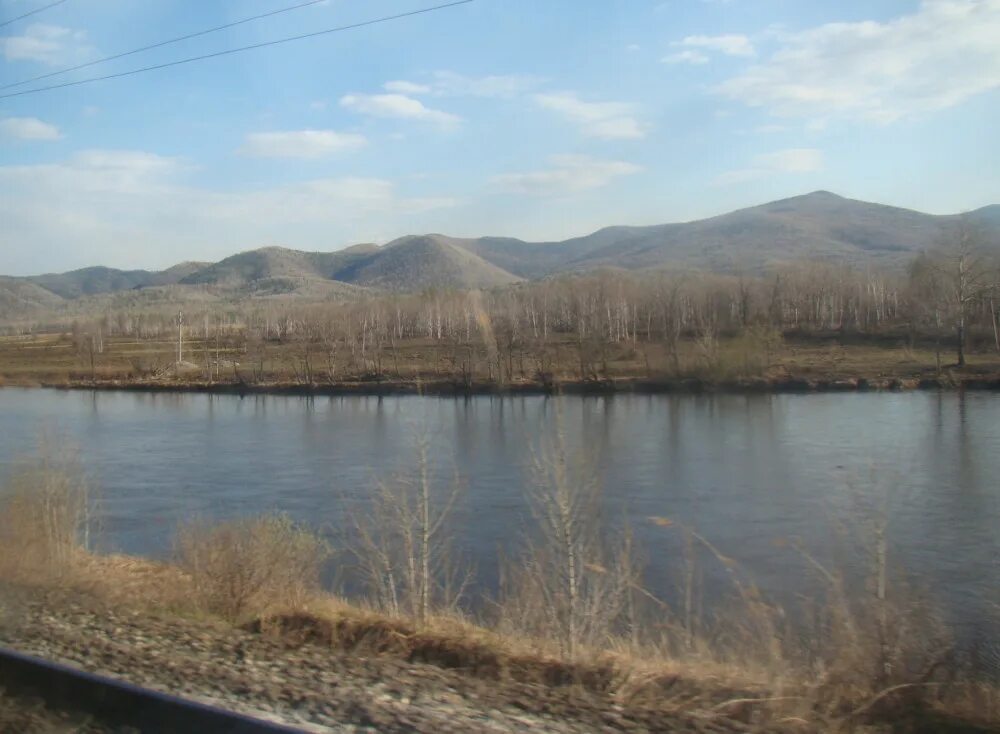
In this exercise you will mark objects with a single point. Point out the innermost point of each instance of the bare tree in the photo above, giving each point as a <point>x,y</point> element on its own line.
<point>569,584</point>
<point>958,275</point>
<point>403,544</point>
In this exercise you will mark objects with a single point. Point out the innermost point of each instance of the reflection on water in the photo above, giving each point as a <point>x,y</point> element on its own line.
<point>751,473</point>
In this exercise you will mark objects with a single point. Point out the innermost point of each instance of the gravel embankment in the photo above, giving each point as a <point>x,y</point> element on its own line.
<point>316,688</point>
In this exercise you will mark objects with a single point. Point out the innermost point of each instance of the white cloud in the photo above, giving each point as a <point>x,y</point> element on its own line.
<point>568,174</point>
<point>404,87</point>
<point>728,44</point>
<point>301,143</point>
<point>28,128</point>
<point>503,86</point>
<point>611,120</point>
<point>452,84</point>
<point>790,160</point>
<point>46,44</point>
<point>98,204</point>
<point>937,57</point>
<point>686,57</point>
<point>397,106</point>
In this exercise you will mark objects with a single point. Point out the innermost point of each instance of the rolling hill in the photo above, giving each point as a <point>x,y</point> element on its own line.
<point>19,296</point>
<point>816,226</point>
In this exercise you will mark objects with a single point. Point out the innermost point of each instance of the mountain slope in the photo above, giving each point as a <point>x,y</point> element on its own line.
<point>20,296</point>
<point>816,226</point>
<point>409,263</point>
<point>820,226</point>
<point>428,261</point>
<point>97,280</point>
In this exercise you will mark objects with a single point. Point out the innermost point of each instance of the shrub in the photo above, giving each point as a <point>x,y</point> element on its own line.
<point>45,519</point>
<point>252,565</point>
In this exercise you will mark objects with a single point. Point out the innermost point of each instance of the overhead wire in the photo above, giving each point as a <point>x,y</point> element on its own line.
<point>30,13</point>
<point>226,52</point>
<point>159,44</point>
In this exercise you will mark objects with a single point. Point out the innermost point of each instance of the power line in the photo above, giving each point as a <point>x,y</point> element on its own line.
<point>161,43</point>
<point>32,12</point>
<point>263,44</point>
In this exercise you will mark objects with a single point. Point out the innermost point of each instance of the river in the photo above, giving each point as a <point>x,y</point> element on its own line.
<point>760,477</point>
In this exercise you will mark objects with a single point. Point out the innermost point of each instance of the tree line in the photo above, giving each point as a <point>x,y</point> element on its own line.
<point>948,297</point>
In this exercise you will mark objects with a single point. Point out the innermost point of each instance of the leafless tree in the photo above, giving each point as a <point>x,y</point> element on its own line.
<point>956,277</point>
<point>403,544</point>
<point>570,583</point>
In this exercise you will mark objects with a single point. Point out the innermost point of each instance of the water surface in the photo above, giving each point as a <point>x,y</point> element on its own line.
<point>755,475</point>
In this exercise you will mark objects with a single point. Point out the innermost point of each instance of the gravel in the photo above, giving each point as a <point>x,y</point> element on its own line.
<point>313,687</point>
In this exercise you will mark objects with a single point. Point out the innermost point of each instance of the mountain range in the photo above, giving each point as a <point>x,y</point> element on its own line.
<point>816,226</point>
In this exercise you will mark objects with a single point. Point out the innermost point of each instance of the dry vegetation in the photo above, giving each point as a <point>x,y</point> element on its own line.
<point>795,326</point>
<point>573,609</point>
<point>253,565</point>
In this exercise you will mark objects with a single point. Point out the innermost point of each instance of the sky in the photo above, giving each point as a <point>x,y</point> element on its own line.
<point>538,119</point>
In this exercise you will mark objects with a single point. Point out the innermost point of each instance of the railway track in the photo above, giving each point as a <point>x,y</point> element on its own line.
<point>117,704</point>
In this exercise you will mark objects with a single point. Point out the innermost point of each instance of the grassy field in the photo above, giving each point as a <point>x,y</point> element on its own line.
<point>54,359</point>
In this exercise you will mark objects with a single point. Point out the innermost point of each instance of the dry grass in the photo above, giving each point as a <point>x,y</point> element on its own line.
<point>45,518</point>
<point>247,567</point>
<point>756,353</point>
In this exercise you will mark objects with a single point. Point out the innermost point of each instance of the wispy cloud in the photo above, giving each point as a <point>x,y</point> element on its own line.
<point>453,84</point>
<point>301,143</point>
<point>398,106</point>
<point>686,57</point>
<point>611,120</point>
<point>105,200</point>
<point>567,174</point>
<point>937,57</point>
<point>789,160</point>
<point>729,44</point>
<point>404,87</point>
<point>698,49</point>
<point>47,44</point>
<point>449,83</point>
<point>28,128</point>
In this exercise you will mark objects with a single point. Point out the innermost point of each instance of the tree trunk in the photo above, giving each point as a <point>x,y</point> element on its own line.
<point>996,332</point>
<point>961,342</point>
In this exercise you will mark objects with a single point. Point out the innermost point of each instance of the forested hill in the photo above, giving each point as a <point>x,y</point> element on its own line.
<point>816,226</point>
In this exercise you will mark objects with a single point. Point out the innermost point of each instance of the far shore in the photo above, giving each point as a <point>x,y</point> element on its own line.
<point>447,388</point>
<point>735,364</point>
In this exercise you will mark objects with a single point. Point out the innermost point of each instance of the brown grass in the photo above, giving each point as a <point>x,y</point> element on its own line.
<point>45,519</point>
<point>758,353</point>
<point>250,566</point>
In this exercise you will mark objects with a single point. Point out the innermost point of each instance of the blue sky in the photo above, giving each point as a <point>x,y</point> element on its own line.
<point>529,118</point>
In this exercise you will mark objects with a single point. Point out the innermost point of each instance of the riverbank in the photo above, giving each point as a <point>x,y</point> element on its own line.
<point>800,363</point>
<point>327,686</point>
<point>333,667</point>
<point>641,386</point>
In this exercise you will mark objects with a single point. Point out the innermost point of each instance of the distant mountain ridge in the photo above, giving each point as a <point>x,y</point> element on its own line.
<point>816,226</point>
